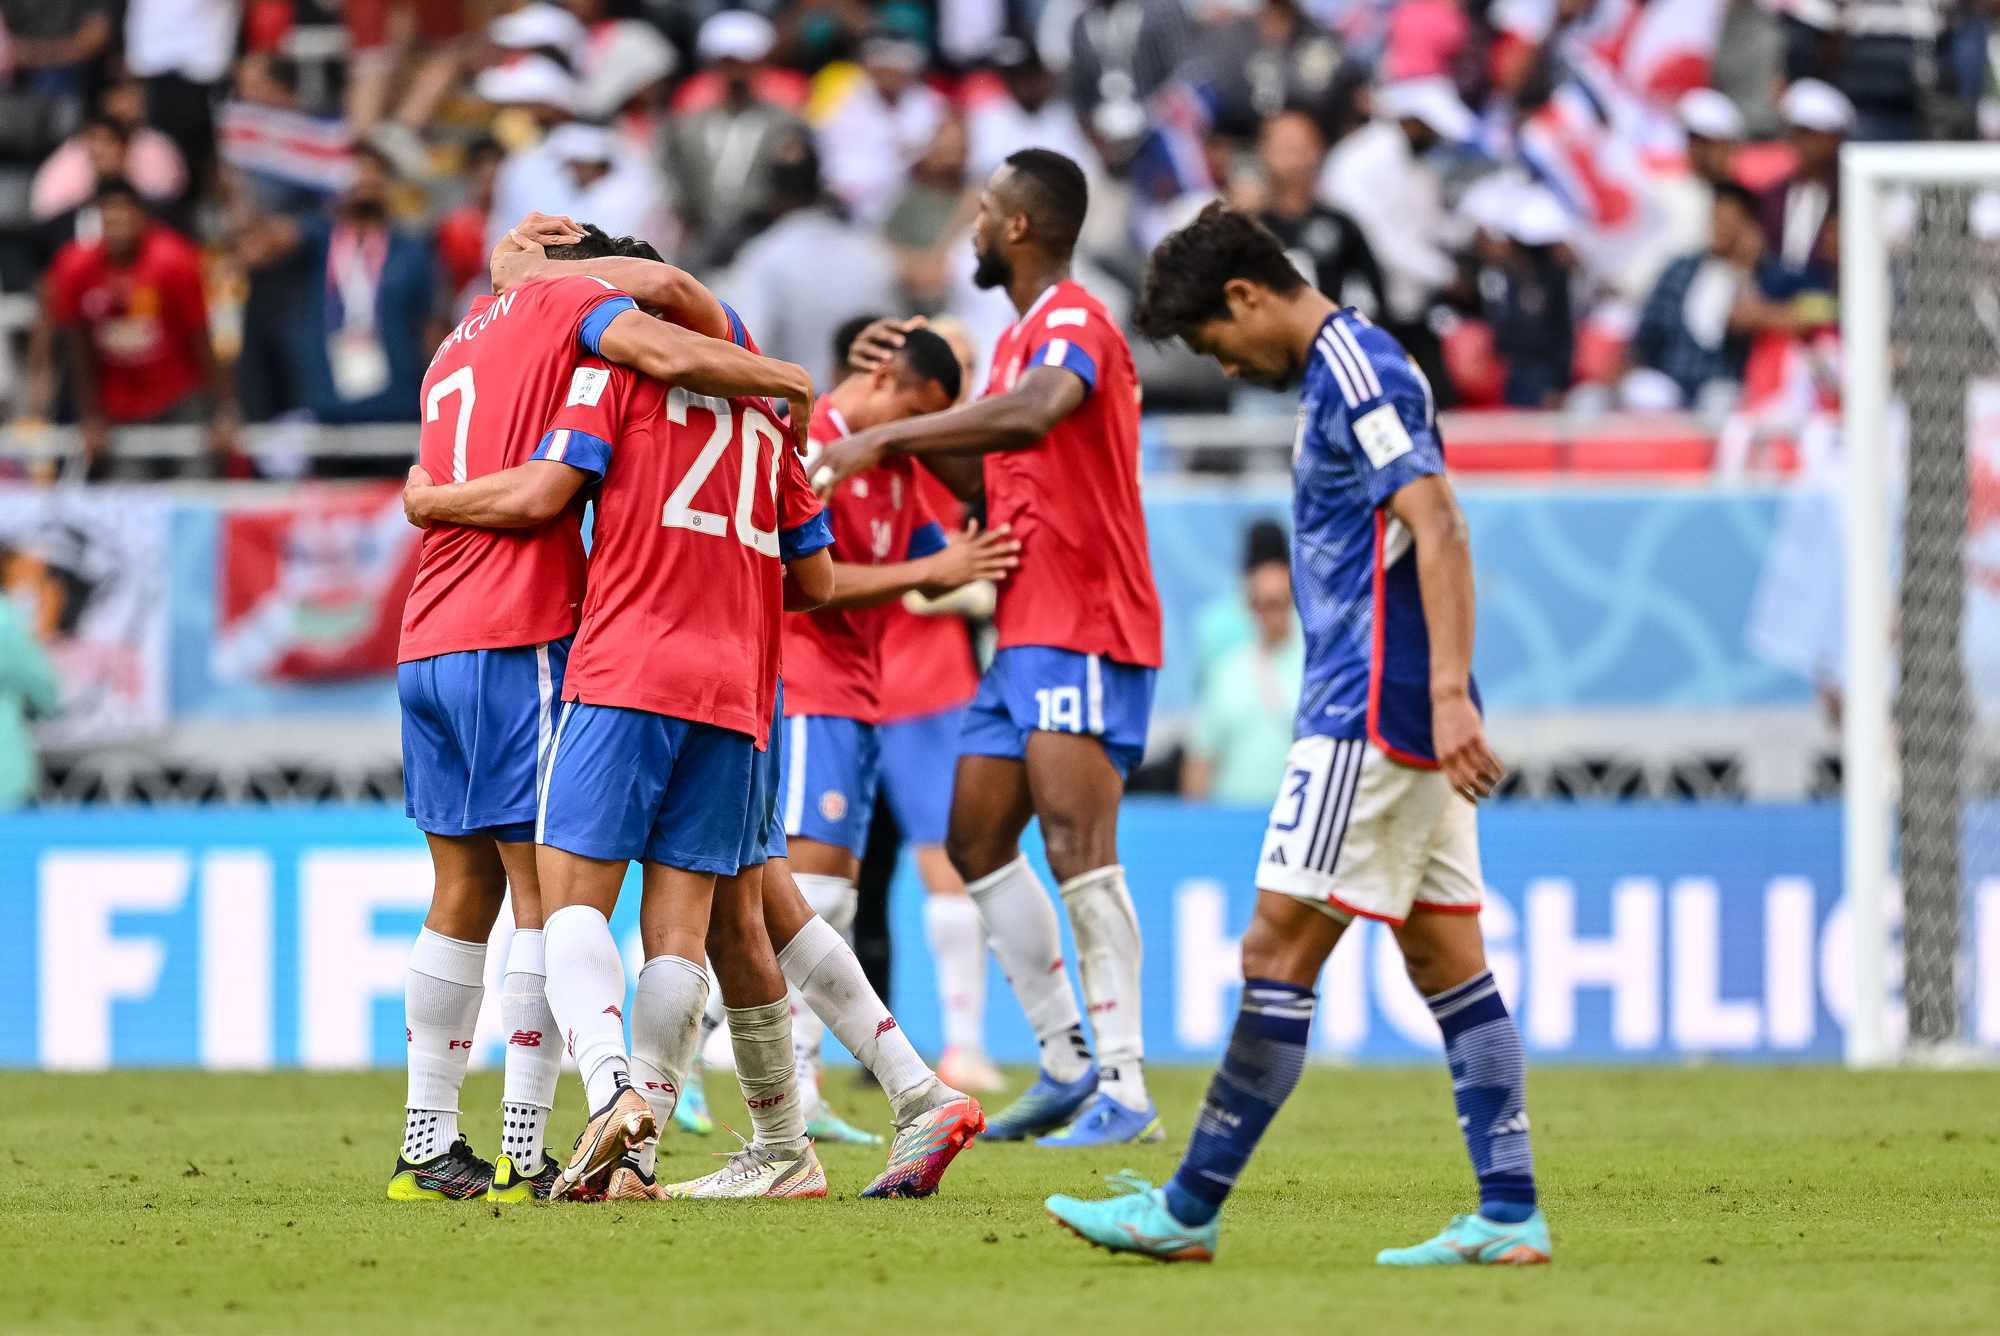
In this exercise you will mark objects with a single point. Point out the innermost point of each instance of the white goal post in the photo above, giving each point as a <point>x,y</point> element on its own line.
<point>1873,764</point>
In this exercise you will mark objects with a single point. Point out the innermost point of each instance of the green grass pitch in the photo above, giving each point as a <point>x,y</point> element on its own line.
<point>1689,1200</point>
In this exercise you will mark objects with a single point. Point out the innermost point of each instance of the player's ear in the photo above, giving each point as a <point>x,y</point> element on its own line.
<point>1242,296</point>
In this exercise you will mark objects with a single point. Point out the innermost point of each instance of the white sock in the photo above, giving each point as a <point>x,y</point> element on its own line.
<point>534,1051</point>
<point>820,965</point>
<point>807,1032</point>
<point>713,1018</point>
<point>666,1026</point>
<point>834,900</point>
<point>762,1038</point>
<point>442,987</point>
<point>1108,954</point>
<point>958,951</point>
<point>586,992</point>
<point>1021,923</point>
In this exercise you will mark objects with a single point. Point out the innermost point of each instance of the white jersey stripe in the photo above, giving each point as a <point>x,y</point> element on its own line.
<point>795,774</point>
<point>1355,370</point>
<point>542,807</point>
<point>545,694</point>
<point>1339,372</point>
<point>1369,379</point>
<point>1093,691</point>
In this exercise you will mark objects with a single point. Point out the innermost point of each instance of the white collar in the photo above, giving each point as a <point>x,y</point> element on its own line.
<point>1029,314</point>
<point>839,422</point>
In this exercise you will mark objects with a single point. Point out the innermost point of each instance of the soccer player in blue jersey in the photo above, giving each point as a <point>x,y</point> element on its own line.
<point>1376,816</point>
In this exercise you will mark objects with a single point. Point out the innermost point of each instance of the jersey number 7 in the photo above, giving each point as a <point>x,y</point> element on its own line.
<point>758,431</point>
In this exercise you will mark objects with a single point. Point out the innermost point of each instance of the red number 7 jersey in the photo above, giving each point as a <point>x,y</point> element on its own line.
<point>685,548</point>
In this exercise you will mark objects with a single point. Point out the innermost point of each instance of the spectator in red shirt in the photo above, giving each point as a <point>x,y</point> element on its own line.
<point>130,308</point>
<point>461,233</point>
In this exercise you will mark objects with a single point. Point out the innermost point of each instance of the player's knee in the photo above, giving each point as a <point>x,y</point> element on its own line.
<point>1077,845</point>
<point>975,855</point>
<point>1438,968</point>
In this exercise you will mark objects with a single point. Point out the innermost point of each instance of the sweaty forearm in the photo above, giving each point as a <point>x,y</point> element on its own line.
<point>510,499</point>
<point>1444,582</point>
<point>997,423</point>
<point>856,586</point>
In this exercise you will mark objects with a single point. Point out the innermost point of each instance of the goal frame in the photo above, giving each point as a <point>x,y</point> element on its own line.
<point>1868,778</point>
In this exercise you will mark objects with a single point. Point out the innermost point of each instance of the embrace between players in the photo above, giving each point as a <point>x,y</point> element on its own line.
<point>558,727</point>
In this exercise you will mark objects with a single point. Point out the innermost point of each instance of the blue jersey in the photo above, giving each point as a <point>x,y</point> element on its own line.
<point>1367,427</point>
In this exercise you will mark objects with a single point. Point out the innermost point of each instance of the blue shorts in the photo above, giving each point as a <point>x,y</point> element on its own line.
<point>919,767</point>
<point>831,767</point>
<point>476,732</point>
<point>763,833</point>
<point>633,784</point>
<point>1038,688</point>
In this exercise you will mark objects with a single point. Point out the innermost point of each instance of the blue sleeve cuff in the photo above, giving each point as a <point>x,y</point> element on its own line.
<point>805,539</point>
<point>600,318</point>
<point>738,335</point>
<point>578,449</point>
<point>1063,353</point>
<point>925,541</point>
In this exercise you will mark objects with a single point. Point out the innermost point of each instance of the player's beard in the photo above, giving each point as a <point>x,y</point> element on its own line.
<point>993,271</point>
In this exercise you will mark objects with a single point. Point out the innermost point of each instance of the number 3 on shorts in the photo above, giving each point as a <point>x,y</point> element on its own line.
<point>1301,780</point>
<point>1061,709</point>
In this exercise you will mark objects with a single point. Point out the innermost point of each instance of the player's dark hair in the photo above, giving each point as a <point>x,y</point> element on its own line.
<point>1741,196</point>
<point>844,337</point>
<point>1185,273</point>
<point>1059,196</point>
<point>927,355</point>
<point>117,187</point>
<point>636,248</point>
<point>597,244</point>
<point>1266,543</point>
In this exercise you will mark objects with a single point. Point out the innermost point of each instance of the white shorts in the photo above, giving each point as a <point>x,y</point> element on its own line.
<point>1354,832</point>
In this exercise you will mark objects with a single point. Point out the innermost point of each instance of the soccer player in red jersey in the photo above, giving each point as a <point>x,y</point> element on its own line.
<point>886,543</point>
<point>666,701</point>
<point>1061,716</point>
<point>485,640</point>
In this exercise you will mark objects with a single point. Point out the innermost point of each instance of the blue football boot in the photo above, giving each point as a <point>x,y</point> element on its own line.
<point>1106,1122</point>
<point>1043,1107</point>
<point>1136,1222</point>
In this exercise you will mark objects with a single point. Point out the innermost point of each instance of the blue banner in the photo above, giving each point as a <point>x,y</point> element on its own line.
<point>253,938</point>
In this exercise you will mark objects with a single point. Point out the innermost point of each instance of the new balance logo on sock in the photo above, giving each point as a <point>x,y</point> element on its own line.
<point>1109,1004</point>
<point>527,1038</point>
<point>612,1011</point>
<point>886,1024</point>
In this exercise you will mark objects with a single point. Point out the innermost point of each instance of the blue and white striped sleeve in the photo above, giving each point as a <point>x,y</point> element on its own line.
<point>1391,428</point>
<point>1068,355</point>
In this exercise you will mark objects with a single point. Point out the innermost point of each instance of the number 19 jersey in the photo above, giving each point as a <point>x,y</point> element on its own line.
<point>490,391</point>
<point>692,522</point>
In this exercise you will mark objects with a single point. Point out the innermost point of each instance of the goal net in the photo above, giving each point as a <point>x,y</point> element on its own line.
<point>1920,696</point>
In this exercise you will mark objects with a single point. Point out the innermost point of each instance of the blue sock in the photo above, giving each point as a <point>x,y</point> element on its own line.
<point>1489,1084</point>
<point>1266,1053</point>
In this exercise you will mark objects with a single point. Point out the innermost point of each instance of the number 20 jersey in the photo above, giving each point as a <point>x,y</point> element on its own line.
<point>689,532</point>
<point>487,397</point>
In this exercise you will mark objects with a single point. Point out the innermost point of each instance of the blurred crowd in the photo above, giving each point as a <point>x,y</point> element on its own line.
<point>224,211</point>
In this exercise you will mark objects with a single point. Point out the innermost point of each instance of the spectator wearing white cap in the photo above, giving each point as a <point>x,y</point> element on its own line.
<point>532,179</point>
<point>884,124</point>
<point>620,67</point>
<point>1379,176</point>
<point>1798,211</point>
<point>720,157</point>
<point>1527,296</point>
<point>616,186</point>
<point>1714,129</point>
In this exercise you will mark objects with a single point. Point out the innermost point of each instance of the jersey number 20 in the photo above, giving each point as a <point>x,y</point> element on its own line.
<point>758,431</point>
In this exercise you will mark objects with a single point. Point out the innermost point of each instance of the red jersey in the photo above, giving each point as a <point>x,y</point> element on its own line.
<point>141,319</point>
<point>1085,582</point>
<point>491,389</point>
<point>833,658</point>
<point>927,663</point>
<point>686,550</point>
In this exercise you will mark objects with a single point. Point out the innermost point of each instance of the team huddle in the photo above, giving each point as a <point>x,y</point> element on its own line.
<point>704,693</point>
